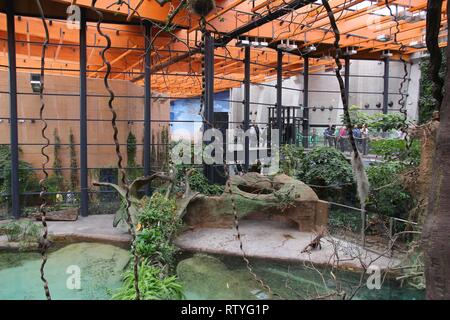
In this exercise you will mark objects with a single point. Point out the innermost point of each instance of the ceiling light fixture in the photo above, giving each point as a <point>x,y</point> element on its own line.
<point>386,54</point>
<point>383,37</point>
<point>242,43</point>
<point>309,49</point>
<point>350,51</point>
<point>35,80</point>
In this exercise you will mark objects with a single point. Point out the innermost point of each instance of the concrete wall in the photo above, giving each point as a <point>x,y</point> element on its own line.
<point>60,108</point>
<point>326,81</point>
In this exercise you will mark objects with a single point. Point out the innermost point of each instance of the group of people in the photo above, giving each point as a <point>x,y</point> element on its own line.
<point>340,138</point>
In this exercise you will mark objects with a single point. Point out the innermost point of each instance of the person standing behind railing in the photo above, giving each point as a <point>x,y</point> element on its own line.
<point>365,139</point>
<point>326,134</point>
<point>313,138</point>
<point>342,138</point>
<point>357,136</point>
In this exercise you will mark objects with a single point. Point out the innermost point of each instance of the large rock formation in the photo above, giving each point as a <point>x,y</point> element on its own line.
<point>275,197</point>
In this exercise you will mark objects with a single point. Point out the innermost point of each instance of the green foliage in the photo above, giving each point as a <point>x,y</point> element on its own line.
<point>386,122</point>
<point>154,284</point>
<point>343,219</point>
<point>54,183</point>
<point>427,104</point>
<point>328,167</point>
<point>325,166</point>
<point>377,121</point>
<point>291,159</point>
<point>57,154</point>
<point>159,223</point>
<point>27,179</point>
<point>199,183</point>
<point>73,162</point>
<point>388,197</point>
<point>357,116</point>
<point>395,149</point>
<point>25,232</point>
<point>131,149</point>
<point>134,171</point>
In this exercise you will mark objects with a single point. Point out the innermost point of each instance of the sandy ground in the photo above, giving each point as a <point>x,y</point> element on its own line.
<point>273,240</point>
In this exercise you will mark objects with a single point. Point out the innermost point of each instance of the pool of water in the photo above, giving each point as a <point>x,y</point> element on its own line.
<point>224,277</point>
<point>99,267</point>
<point>203,277</point>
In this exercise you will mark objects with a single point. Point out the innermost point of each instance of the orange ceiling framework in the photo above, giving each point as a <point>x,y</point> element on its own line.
<point>363,25</point>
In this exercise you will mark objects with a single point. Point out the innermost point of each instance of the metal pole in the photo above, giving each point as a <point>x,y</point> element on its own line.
<point>386,85</point>
<point>279,94</point>
<point>84,198</point>
<point>14,139</point>
<point>209,92</point>
<point>305,123</point>
<point>147,108</point>
<point>247,105</point>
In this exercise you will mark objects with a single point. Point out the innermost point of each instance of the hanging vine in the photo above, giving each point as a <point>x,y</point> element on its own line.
<point>402,99</point>
<point>44,243</point>
<point>122,171</point>
<point>357,164</point>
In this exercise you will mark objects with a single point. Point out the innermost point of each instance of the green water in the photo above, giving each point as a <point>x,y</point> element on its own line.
<point>207,277</point>
<point>204,277</point>
<point>100,268</point>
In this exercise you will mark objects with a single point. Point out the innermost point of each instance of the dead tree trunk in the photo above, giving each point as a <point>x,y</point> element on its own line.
<point>436,231</point>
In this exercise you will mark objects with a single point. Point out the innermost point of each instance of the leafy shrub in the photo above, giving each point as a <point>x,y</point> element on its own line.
<point>153,284</point>
<point>357,116</point>
<point>24,232</point>
<point>343,219</point>
<point>325,166</point>
<point>55,183</point>
<point>395,149</point>
<point>27,179</point>
<point>377,121</point>
<point>388,197</point>
<point>291,157</point>
<point>386,122</point>
<point>328,167</point>
<point>199,183</point>
<point>158,224</point>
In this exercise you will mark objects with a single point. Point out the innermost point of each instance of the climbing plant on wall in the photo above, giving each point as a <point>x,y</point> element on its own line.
<point>73,162</point>
<point>57,154</point>
<point>131,149</point>
<point>427,104</point>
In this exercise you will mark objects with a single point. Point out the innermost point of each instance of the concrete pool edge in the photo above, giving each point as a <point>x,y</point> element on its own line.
<point>261,239</point>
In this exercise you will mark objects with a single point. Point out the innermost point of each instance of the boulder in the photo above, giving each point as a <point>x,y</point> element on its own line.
<point>278,197</point>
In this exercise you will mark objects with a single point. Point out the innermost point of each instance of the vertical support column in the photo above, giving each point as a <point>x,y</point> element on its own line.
<point>347,79</point>
<point>247,105</point>
<point>147,107</point>
<point>209,93</point>
<point>279,94</point>
<point>84,197</point>
<point>386,85</point>
<point>305,123</point>
<point>14,136</point>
